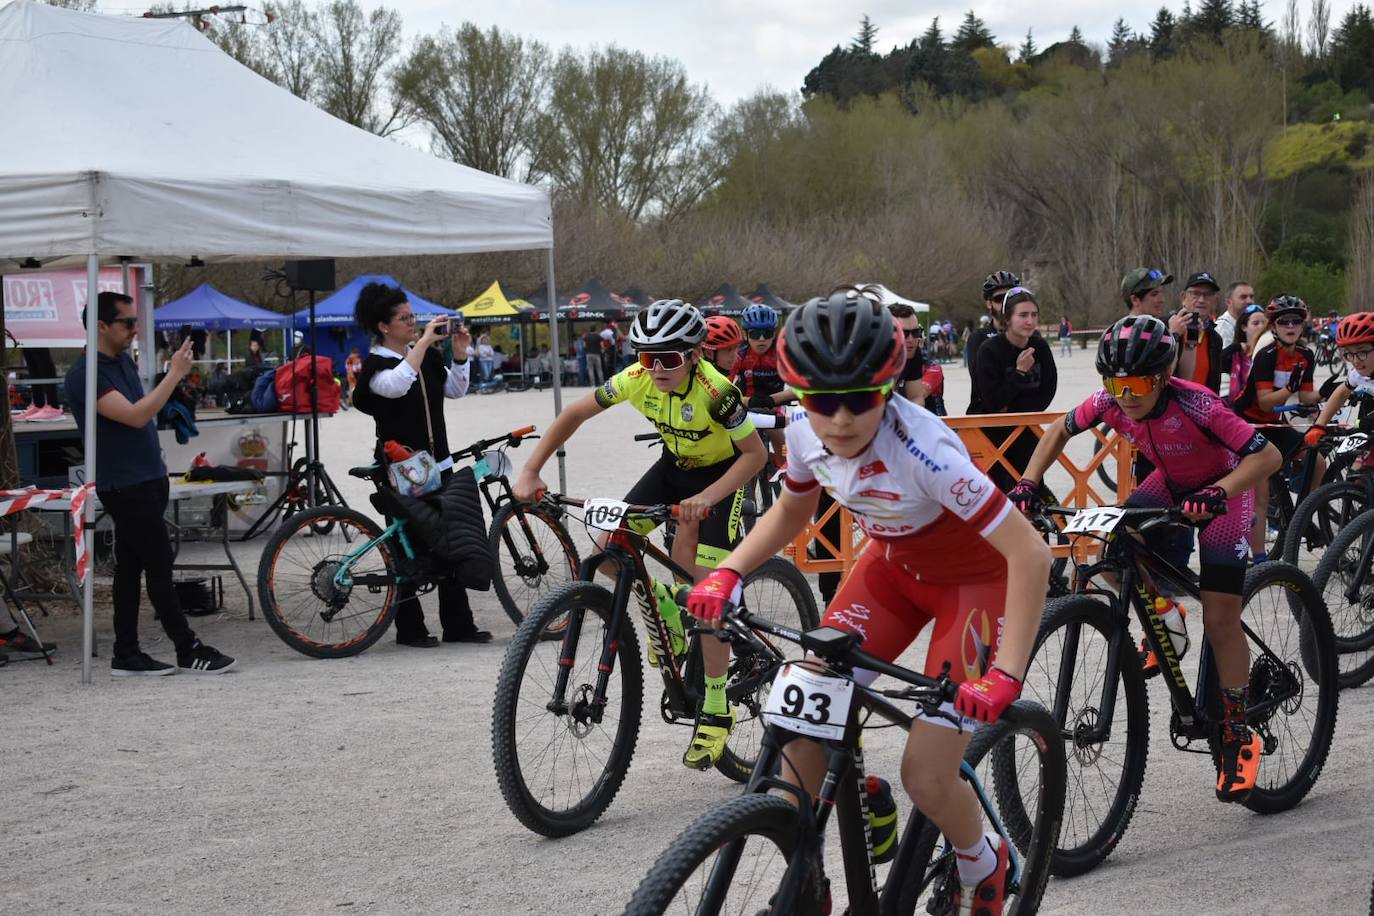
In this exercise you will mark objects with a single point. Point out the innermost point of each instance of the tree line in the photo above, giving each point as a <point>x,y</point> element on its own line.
<point>1208,138</point>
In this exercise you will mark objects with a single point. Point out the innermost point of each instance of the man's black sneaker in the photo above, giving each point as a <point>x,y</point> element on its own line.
<point>202,659</point>
<point>140,665</point>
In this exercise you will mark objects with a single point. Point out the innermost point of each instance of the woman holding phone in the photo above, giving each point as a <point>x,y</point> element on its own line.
<point>402,386</point>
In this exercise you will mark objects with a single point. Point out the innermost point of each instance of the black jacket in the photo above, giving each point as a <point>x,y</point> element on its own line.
<point>999,388</point>
<point>450,524</point>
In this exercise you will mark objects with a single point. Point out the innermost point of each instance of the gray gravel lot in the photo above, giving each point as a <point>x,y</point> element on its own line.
<point>366,784</point>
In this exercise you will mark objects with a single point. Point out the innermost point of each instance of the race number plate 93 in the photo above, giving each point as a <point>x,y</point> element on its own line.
<point>809,703</point>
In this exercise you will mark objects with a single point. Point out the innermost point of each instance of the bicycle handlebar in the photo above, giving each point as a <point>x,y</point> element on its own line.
<point>660,513</point>
<point>840,647</point>
<point>512,439</point>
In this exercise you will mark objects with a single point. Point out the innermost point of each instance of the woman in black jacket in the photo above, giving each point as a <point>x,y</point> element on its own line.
<point>403,386</point>
<point>1014,373</point>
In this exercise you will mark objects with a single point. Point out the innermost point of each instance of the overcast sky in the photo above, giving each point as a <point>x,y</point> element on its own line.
<point>738,46</point>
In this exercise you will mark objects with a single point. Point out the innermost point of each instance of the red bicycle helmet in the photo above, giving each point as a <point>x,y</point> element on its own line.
<point>722,333</point>
<point>1355,329</point>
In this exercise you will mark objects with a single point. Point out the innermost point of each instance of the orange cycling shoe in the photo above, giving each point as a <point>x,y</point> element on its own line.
<point>1240,759</point>
<point>988,897</point>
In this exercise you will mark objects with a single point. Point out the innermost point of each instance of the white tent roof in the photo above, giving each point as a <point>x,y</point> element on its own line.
<point>888,297</point>
<point>140,137</point>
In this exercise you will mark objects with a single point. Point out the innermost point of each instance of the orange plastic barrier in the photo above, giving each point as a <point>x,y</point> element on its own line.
<point>1086,491</point>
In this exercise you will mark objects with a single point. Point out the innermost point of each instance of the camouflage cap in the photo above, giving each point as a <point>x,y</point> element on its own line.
<point>1141,280</point>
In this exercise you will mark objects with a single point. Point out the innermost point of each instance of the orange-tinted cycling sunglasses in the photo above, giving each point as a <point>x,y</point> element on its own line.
<point>1135,385</point>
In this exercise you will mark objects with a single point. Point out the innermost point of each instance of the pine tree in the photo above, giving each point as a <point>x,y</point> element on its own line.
<point>1249,16</point>
<point>1162,34</point>
<point>1213,18</point>
<point>1028,49</point>
<point>973,34</point>
<point>1119,43</point>
<point>863,43</point>
<point>930,60</point>
<point>1076,36</point>
<point>1352,50</point>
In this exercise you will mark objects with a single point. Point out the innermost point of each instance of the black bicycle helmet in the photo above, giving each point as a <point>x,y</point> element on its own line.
<point>999,279</point>
<point>1286,304</point>
<point>1136,345</point>
<point>846,341</point>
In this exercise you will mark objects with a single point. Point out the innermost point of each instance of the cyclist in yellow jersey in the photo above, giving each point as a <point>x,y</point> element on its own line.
<point>710,451</point>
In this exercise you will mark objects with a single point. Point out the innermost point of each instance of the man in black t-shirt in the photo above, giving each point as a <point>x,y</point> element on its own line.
<point>131,482</point>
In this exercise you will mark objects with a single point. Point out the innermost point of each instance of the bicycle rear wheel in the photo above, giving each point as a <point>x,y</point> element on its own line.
<point>730,860</point>
<point>1293,683</point>
<point>1319,518</point>
<point>779,592</point>
<point>1022,759</point>
<point>1345,579</point>
<point>1106,770</point>
<point>534,554</point>
<point>303,598</point>
<point>559,768</point>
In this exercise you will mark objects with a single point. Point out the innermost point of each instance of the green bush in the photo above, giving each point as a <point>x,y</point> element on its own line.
<point>1321,286</point>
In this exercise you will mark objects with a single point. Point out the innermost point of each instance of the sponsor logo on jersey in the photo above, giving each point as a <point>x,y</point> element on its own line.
<point>966,491</point>
<point>881,494</point>
<point>853,618</point>
<point>1173,424</point>
<point>693,435</point>
<point>606,395</point>
<point>687,413</point>
<point>873,469</point>
<point>915,450</point>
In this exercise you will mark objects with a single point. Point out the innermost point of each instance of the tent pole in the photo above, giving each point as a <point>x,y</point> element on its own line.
<point>88,521</point>
<point>557,372</point>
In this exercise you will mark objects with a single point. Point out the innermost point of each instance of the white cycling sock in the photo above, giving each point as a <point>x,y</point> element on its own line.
<point>977,863</point>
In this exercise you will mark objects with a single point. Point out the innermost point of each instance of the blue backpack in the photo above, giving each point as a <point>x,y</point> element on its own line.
<point>264,395</point>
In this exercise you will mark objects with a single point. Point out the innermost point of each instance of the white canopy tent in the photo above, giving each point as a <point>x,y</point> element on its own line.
<point>888,297</point>
<point>142,139</point>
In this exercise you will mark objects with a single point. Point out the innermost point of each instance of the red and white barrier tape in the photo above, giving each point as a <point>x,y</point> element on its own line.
<point>12,501</point>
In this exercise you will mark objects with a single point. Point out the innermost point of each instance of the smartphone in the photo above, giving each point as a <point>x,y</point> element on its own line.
<point>441,326</point>
<point>1193,333</point>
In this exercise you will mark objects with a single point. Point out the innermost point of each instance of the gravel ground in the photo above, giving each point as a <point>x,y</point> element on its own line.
<point>366,784</point>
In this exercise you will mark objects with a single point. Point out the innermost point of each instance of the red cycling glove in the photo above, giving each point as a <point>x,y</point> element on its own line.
<point>708,600</point>
<point>1314,436</point>
<point>988,697</point>
<point>1025,496</point>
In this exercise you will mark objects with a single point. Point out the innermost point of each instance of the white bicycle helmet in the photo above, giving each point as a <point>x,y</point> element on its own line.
<point>668,324</point>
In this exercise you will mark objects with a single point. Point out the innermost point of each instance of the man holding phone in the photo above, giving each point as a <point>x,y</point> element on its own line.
<point>1199,359</point>
<point>402,386</point>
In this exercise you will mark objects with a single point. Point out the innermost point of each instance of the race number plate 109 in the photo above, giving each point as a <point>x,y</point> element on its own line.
<point>1095,521</point>
<point>809,703</point>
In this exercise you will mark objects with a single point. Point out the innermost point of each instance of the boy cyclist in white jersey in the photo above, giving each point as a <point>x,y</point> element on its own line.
<point>944,546</point>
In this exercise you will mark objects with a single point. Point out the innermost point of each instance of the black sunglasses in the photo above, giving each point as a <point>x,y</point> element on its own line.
<point>762,334</point>
<point>129,323</point>
<point>909,333</point>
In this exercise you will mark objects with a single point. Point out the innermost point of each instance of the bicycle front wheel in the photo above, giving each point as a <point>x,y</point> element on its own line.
<point>534,554</point>
<point>1345,579</point>
<point>1319,518</point>
<point>1106,747</point>
<point>1015,764</point>
<point>1293,683</point>
<point>731,860</point>
<point>562,754</point>
<point>327,584</point>
<point>776,591</point>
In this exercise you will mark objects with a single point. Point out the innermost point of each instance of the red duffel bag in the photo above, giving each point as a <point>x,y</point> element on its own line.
<point>294,381</point>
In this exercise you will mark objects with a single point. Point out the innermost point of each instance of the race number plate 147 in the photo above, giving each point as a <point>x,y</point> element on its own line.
<point>809,703</point>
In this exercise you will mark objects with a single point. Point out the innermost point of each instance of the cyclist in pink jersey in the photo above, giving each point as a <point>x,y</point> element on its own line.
<point>1207,462</point>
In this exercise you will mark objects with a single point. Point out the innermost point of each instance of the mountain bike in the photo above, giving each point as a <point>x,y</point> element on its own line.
<point>1345,582</point>
<point>329,578</point>
<point>1086,670</point>
<point>567,711</point>
<point>762,853</point>
<point>1347,490</point>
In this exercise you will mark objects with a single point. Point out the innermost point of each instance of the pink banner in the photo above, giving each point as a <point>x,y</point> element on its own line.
<point>43,309</point>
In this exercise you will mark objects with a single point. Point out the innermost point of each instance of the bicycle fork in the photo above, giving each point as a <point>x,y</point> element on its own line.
<point>589,709</point>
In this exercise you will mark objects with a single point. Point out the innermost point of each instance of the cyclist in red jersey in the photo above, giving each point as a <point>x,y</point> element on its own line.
<point>1207,460</point>
<point>1278,372</point>
<point>944,547</point>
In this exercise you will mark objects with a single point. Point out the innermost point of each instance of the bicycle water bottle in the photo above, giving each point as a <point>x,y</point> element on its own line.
<point>882,819</point>
<point>1174,617</point>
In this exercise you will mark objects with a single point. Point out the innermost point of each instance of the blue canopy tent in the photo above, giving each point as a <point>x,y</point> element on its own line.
<point>207,309</point>
<point>334,316</point>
